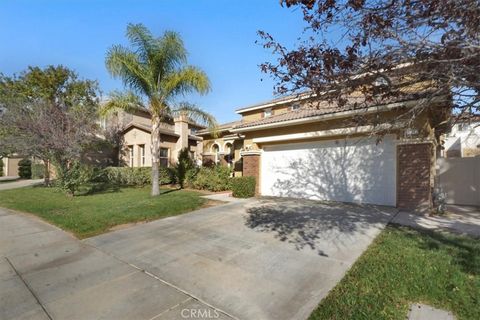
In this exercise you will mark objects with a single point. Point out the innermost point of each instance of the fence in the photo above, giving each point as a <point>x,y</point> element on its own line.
<point>460,180</point>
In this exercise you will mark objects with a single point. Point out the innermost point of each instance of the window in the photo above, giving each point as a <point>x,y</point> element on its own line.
<point>142,154</point>
<point>294,107</point>
<point>267,112</point>
<point>164,157</point>
<point>193,130</point>
<point>130,156</point>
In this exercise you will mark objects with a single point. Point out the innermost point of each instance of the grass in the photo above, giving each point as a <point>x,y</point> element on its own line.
<point>93,214</point>
<point>404,266</point>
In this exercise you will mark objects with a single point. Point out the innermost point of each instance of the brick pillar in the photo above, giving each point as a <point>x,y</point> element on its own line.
<point>414,184</point>
<point>251,167</point>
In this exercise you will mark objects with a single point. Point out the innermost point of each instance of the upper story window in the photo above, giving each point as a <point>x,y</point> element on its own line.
<point>267,112</point>
<point>193,130</point>
<point>294,107</point>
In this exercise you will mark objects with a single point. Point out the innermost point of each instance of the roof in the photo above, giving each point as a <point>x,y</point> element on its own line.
<point>324,108</point>
<point>276,101</point>
<point>222,127</point>
<point>148,129</point>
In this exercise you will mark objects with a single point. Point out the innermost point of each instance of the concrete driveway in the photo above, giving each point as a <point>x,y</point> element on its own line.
<point>258,259</point>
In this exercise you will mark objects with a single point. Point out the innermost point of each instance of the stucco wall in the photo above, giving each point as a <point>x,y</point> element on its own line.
<point>136,137</point>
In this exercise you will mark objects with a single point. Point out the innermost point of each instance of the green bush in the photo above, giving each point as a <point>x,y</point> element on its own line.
<point>76,175</point>
<point>1,167</point>
<point>25,169</point>
<point>141,176</point>
<point>243,187</point>
<point>216,178</point>
<point>183,166</point>
<point>38,170</point>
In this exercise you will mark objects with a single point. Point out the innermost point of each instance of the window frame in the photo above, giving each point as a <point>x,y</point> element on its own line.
<point>142,154</point>
<point>267,112</point>
<point>130,155</point>
<point>167,157</point>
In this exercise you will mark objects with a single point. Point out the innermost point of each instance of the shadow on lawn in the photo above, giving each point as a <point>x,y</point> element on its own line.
<point>464,250</point>
<point>98,188</point>
<point>307,223</point>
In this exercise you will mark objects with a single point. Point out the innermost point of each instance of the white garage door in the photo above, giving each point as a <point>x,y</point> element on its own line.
<point>351,170</point>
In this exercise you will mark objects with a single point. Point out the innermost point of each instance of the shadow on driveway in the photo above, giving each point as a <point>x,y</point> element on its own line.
<point>307,223</point>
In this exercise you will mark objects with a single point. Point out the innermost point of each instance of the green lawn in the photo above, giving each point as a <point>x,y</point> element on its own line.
<point>89,215</point>
<point>404,266</point>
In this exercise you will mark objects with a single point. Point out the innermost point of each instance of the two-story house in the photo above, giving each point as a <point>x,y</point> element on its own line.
<point>298,146</point>
<point>135,136</point>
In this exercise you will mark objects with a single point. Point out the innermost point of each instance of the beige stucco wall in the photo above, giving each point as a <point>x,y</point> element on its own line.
<point>136,137</point>
<point>422,123</point>
<point>10,166</point>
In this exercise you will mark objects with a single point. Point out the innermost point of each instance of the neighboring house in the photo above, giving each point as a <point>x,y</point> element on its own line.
<point>10,166</point>
<point>299,147</point>
<point>135,131</point>
<point>463,140</point>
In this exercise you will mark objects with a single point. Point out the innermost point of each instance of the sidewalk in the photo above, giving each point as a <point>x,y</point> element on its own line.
<point>459,219</point>
<point>19,184</point>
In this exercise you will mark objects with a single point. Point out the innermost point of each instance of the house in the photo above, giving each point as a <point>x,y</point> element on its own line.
<point>135,133</point>
<point>10,166</point>
<point>463,140</point>
<point>300,146</point>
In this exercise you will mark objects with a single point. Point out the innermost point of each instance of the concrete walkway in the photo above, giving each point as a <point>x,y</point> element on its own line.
<point>47,274</point>
<point>459,219</point>
<point>19,184</point>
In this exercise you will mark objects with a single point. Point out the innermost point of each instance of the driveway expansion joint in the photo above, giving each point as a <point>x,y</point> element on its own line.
<point>171,285</point>
<point>29,289</point>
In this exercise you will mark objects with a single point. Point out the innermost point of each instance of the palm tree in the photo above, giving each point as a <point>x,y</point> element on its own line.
<point>156,73</point>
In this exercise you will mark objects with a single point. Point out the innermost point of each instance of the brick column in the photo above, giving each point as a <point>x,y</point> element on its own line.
<point>414,176</point>
<point>251,167</point>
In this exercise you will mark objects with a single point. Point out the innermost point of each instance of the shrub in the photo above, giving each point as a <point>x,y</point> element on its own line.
<point>25,169</point>
<point>183,165</point>
<point>38,170</point>
<point>216,178</point>
<point>1,167</point>
<point>243,187</point>
<point>74,176</point>
<point>127,176</point>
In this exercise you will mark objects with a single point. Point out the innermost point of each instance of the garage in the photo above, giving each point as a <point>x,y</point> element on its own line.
<point>347,170</point>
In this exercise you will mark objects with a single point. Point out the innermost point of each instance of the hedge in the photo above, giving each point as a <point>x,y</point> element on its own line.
<point>243,187</point>
<point>216,178</point>
<point>140,176</point>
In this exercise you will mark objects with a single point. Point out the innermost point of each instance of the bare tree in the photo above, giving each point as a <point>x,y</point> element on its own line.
<point>347,44</point>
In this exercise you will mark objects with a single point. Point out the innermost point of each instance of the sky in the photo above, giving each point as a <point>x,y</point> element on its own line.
<point>219,35</point>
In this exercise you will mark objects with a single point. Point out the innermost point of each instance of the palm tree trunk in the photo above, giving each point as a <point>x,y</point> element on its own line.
<point>155,149</point>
